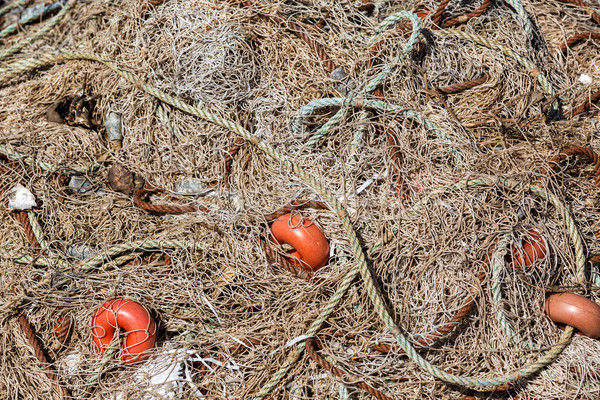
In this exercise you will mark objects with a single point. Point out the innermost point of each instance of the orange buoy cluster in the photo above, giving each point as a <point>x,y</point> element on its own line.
<point>131,317</point>
<point>311,248</point>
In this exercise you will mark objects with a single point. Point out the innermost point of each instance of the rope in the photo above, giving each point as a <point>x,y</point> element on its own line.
<point>361,264</point>
<point>526,63</point>
<point>430,339</point>
<point>41,357</point>
<point>523,16</point>
<point>29,17</point>
<point>461,86</point>
<point>374,105</point>
<point>11,6</point>
<point>461,19</point>
<point>584,152</point>
<point>594,97</point>
<point>375,81</point>
<point>573,40</point>
<point>311,350</point>
<point>15,155</point>
<point>106,357</point>
<point>41,33</point>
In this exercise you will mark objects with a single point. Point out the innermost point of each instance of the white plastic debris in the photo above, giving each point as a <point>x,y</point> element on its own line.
<point>164,376</point>
<point>20,198</point>
<point>585,79</point>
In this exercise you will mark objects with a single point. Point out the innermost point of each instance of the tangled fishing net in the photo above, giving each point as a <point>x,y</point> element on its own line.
<point>431,130</point>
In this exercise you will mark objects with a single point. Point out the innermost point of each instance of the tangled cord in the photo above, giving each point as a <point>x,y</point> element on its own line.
<point>312,350</point>
<point>360,267</point>
<point>592,13</point>
<point>299,31</point>
<point>584,152</point>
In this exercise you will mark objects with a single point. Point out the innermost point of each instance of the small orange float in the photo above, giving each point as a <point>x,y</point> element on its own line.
<point>134,319</point>
<point>311,246</point>
<point>576,311</point>
<point>532,248</point>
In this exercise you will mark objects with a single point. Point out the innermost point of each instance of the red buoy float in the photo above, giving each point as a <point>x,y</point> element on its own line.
<point>530,250</point>
<point>311,248</point>
<point>131,317</point>
<point>577,311</point>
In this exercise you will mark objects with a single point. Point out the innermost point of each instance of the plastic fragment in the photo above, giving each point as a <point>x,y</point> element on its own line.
<point>20,198</point>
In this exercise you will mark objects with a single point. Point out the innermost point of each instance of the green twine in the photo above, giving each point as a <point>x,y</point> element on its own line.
<point>11,6</point>
<point>361,265</point>
<point>41,33</point>
<point>375,81</point>
<point>35,15</point>
<point>31,161</point>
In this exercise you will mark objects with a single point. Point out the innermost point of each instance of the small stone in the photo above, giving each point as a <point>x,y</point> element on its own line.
<point>113,123</point>
<point>81,251</point>
<point>344,83</point>
<point>120,179</point>
<point>192,187</point>
<point>80,184</point>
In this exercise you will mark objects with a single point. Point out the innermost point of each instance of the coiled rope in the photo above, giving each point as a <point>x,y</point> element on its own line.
<point>361,267</point>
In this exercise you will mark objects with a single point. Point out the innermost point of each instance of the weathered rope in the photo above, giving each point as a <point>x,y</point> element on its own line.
<point>546,358</point>
<point>523,16</point>
<point>461,19</point>
<point>375,81</point>
<point>15,155</point>
<point>377,105</point>
<point>11,6</point>
<point>41,357</point>
<point>33,16</point>
<point>587,104</point>
<point>580,37</point>
<point>106,358</point>
<point>584,152</point>
<point>461,86</point>
<point>361,264</point>
<point>41,33</point>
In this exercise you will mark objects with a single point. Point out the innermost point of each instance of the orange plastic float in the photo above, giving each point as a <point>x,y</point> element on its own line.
<point>311,248</point>
<point>576,311</point>
<point>134,319</point>
<point>532,248</point>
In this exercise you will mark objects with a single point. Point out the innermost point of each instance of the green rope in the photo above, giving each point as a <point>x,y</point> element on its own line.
<point>11,6</point>
<point>525,62</point>
<point>390,21</point>
<point>41,33</point>
<point>523,16</point>
<point>377,105</point>
<point>498,262</point>
<point>17,156</point>
<point>36,14</point>
<point>108,355</point>
<point>361,265</point>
